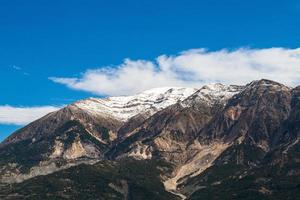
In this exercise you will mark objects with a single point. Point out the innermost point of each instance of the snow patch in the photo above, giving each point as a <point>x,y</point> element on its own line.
<point>151,101</point>
<point>213,93</point>
<point>125,107</point>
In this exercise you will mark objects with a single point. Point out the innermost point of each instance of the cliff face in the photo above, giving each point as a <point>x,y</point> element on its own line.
<point>218,141</point>
<point>262,134</point>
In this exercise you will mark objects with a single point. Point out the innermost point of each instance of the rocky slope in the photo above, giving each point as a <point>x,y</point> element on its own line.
<point>79,133</point>
<point>228,142</point>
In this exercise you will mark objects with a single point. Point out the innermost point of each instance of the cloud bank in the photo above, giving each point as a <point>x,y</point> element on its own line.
<point>23,115</point>
<point>191,68</point>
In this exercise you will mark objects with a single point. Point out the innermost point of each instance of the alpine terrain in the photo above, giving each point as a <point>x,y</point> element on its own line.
<point>213,142</point>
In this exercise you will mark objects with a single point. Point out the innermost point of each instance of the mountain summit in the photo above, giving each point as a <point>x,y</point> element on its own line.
<point>215,142</point>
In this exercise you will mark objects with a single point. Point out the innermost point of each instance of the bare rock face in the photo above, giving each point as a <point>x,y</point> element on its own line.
<point>171,135</point>
<point>61,139</point>
<point>250,124</point>
<point>76,150</point>
<point>212,143</point>
<point>48,125</point>
<point>258,110</point>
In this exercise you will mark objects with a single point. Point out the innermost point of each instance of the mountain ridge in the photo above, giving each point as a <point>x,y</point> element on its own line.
<point>215,135</point>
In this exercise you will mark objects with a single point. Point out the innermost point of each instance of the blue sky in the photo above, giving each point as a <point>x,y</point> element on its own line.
<point>69,38</point>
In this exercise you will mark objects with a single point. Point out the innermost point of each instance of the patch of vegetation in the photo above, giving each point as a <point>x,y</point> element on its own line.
<point>24,153</point>
<point>124,145</point>
<point>241,181</point>
<point>72,129</point>
<point>94,182</point>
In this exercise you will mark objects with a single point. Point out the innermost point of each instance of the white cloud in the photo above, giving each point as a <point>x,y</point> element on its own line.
<point>23,115</point>
<point>194,68</point>
<point>16,67</point>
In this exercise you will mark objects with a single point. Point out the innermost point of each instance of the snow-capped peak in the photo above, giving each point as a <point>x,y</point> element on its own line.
<point>153,100</point>
<point>213,93</point>
<point>125,107</point>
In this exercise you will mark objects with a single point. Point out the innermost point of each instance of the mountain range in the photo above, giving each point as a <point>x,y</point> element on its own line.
<point>213,142</point>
